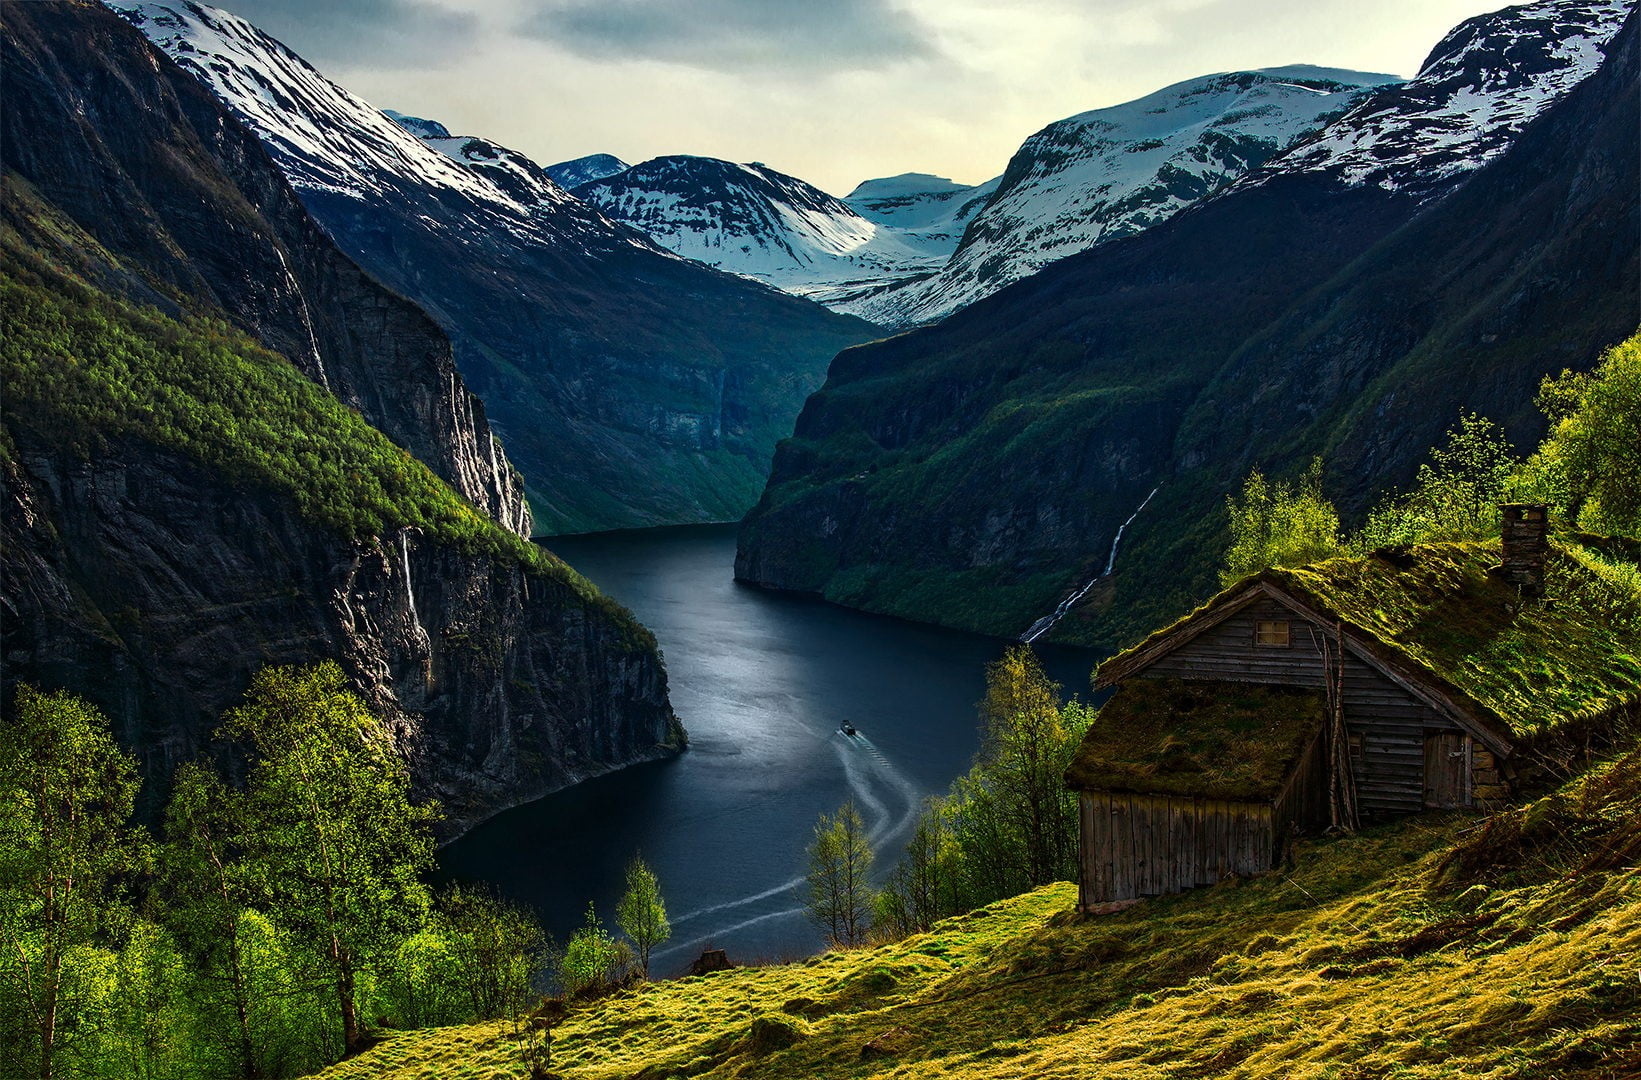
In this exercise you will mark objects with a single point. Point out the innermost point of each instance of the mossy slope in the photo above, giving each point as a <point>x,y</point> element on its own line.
<point>1430,948</point>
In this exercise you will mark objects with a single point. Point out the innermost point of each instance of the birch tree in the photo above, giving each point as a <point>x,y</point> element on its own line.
<point>66,796</point>
<point>840,896</point>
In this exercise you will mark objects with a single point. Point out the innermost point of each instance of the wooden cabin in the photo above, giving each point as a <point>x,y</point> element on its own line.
<point>1408,663</point>
<point>1186,782</point>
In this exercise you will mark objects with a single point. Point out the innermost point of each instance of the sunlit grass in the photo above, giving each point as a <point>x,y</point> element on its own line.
<point>1367,958</point>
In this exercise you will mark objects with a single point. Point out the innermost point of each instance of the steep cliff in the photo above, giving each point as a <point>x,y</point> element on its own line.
<point>184,504</point>
<point>975,473</point>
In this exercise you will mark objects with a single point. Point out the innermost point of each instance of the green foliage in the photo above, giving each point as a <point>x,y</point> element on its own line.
<point>331,835</point>
<point>1280,524</point>
<point>67,852</point>
<point>495,949</point>
<point>1023,759</point>
<point>1592,456</point>
<point>1382,954</point>
<point>1456,494</point>
<point>1010,823</point>
<point>922,887</point>
<point>1538,666</point>
<point>593,960</point>
<point>1210,740</point>
<point>208,889</point>
<point>840,897</point>
<point>276,910</point>
<point>147,1027</point>
<point>642,912</point>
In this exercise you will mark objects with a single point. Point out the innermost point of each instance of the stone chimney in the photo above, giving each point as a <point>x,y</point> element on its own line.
<point>1526,545</point>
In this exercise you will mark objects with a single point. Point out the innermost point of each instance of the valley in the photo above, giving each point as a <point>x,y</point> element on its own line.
<point>582,601</point>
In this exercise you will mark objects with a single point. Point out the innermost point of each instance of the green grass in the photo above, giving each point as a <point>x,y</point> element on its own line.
<point>1432,948</point>
<point>1536,665</point>
<point>1214,740</point>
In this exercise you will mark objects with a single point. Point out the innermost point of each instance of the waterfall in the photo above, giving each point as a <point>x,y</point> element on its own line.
<point>1046,623</point>
<point>410,594</point>
<point>307,317</point>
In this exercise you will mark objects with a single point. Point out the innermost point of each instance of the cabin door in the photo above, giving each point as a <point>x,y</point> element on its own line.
<point>1446,769</point>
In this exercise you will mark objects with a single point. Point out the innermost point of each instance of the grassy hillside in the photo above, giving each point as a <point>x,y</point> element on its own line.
<point>1436,947</point>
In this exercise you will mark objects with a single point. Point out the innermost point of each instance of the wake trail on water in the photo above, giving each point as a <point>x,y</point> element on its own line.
<point>866,768</point>
<point>712,938</point>
<point>886,826</point>
<point>742,902</point>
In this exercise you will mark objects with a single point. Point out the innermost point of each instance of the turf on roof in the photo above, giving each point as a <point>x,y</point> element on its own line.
<point>1535,666</point>
<point>1213,740</point>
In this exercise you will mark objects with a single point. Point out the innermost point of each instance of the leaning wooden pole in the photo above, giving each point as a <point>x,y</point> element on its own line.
<point>1341,779</point>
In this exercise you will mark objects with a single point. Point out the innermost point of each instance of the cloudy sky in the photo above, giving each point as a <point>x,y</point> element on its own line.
<point>834,91</point>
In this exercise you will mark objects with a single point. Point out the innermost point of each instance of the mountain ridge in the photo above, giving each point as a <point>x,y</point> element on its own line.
<point>202,493</point>
<point>973,473</point>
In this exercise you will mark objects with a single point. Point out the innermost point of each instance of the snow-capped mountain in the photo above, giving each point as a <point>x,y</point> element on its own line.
<point>632,386</point>
<point>584,170</point>
<point>1481,85</point>
<point>932,208</point>
<point>329,142</point>
<point>528,183</point>
<point>764,224</point>
<point>1116,171</point>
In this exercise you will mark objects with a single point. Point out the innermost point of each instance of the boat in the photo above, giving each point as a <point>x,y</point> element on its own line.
<point>849,729</point>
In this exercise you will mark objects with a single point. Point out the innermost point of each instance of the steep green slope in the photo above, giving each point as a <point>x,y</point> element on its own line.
<point>1430,948</point>
<point>85,370</point>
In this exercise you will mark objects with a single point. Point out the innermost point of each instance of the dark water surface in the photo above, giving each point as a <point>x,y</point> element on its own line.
<point>763,683</point>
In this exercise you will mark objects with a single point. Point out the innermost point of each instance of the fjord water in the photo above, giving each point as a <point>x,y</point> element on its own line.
<point>763,682</point>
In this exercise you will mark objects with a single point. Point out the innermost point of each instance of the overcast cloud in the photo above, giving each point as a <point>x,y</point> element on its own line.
<point>833,91</point>
<point>738,35</point>
<point>383,34</point>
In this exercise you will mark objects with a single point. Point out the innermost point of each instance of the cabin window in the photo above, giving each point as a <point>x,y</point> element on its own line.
<point>1277,633</point>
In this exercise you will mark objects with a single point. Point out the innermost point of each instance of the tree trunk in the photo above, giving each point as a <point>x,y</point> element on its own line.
<point>352,1037</point>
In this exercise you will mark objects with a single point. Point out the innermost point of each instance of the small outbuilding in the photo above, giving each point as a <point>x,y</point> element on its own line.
<point>1303,699</point>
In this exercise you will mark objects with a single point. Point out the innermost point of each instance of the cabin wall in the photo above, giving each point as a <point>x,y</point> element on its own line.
<point>1302,803</point>
<point>1147,845</point>
<point>1388,726</point>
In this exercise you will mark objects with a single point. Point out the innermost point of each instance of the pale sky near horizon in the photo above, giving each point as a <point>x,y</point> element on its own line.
<point>833,91</point>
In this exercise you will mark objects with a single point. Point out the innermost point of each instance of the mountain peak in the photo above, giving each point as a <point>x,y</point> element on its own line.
<point>1112,172</point>
<point>418,126</point>
<point>584,170</point>
<point>1479,88</point>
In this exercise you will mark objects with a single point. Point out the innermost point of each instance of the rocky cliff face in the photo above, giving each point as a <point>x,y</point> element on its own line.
<point>147,583</point>
<point>154,583</point>
<point>975,473</point>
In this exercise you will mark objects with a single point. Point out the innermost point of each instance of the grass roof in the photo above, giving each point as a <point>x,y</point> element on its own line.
<point>1213,740</point>
<point>1435,610</point>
